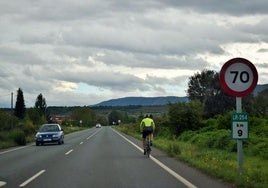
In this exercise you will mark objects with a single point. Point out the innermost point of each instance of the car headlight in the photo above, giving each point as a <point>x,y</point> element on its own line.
<point>55,135</point>
<point>38,136</point>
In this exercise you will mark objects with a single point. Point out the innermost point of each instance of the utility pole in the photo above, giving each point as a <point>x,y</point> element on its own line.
<point>12,113</point>
<point>11,101</point>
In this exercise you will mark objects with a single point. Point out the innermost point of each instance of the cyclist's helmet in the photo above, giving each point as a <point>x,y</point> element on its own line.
<point>146,115</point>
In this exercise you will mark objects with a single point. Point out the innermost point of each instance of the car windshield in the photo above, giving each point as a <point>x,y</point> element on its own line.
<point>49,128</point>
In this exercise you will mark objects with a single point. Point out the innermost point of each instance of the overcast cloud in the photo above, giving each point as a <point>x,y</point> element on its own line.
<point>84,52</point>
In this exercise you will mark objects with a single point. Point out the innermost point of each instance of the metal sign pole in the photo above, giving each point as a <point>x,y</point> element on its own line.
<point>239,142</point>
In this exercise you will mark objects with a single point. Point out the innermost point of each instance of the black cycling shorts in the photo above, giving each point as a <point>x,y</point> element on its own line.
<point>146,131</point>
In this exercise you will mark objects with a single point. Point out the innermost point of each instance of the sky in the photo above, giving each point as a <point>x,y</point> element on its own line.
<point>78,53</point>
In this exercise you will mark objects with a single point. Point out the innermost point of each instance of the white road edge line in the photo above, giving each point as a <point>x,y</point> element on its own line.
<point>173,173</point>
<point>70,151</point>
<point>32,178</point>
<point>13,149</point>
<point>2,183</point>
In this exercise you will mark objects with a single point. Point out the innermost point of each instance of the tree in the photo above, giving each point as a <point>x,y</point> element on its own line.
<point>116,117</point>
<point>113,117</point>
<point>34,115</point>
<point>20,105</point>
<point>40,105</point>
<point>205,87</point>
<point>202,85</point>
<point>185,116</point>
<point>8,122</point>
<point>84,116</point>
<point>248,104</point>
<point>261,104</point>
<point>102,119</point>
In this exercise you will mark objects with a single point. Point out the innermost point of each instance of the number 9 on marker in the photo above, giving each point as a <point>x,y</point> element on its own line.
<point>240,130</point>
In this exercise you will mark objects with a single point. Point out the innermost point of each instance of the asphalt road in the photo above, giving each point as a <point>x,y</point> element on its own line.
<point>97,157</point>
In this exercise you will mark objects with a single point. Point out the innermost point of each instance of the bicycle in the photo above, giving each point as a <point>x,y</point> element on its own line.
<point>148,147</point>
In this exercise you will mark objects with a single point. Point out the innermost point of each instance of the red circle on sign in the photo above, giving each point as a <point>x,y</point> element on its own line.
<point>223,77</point>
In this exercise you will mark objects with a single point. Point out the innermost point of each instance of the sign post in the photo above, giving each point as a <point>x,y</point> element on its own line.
<point>238,78</point>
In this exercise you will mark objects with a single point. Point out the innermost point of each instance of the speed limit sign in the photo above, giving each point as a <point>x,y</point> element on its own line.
<point>238,77</point>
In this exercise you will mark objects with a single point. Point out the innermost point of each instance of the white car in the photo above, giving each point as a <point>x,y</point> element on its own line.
<point>98,125</point>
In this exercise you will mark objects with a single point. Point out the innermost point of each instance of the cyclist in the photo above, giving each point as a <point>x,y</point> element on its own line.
<point>147,127</point>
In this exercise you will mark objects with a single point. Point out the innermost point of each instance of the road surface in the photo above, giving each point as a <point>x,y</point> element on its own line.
<point>96,157</point>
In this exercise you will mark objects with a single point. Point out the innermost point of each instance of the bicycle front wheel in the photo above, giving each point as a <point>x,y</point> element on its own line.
<point>148,153</point>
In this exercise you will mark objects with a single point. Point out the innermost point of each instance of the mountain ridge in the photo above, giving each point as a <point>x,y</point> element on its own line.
<point>259,88</point>
<point>143,101</point>
<point>154,101</point>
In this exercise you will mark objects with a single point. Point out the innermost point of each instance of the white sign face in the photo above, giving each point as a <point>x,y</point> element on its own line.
<point>238,77</point>
<point>240,130</point>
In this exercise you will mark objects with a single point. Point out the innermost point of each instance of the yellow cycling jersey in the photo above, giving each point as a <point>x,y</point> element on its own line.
<point>147,122</point>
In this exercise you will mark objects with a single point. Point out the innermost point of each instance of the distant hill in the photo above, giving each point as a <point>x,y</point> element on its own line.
<point>155,101</point>
<point>143,101</point>
<point>260,88</point>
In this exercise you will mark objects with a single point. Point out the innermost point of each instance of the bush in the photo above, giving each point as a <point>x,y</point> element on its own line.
<point>224,121</point>
<point>27,127</point>
<point>259,126</point>
<point>258,147</point>
<point>224,140</point>
<point>186,116</point>
<point>263,149</point>
<point>2,136</point>
<point>7,121</point>
<point>209,125</point>
<point>219,139</point>
<point>131,129</point>
<point>174,148</point>
<point>163,132</point>
<point>186,136</point>
<point>19,137</point>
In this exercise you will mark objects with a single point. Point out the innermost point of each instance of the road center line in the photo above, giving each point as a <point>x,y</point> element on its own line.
<point>93,134</point>
<point>32,178</point>
<point>171,172</point>
<point>70,151</point>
